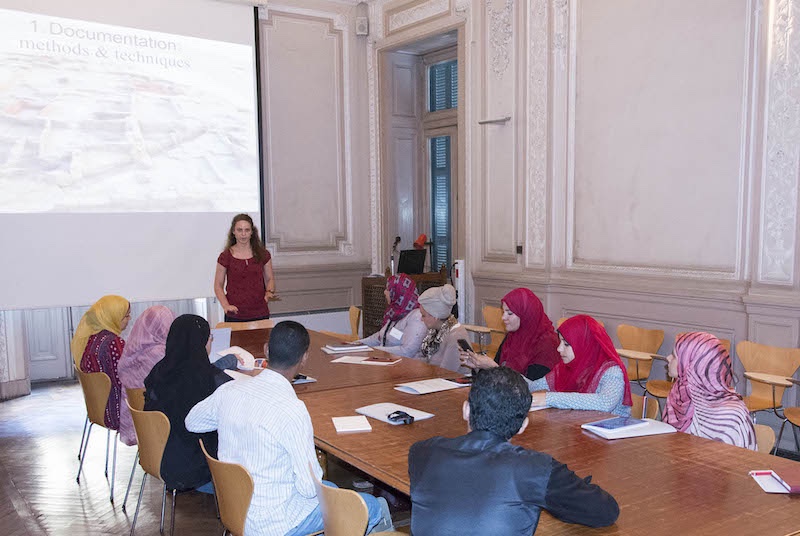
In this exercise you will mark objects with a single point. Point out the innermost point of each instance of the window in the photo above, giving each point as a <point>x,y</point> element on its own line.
<point>443,82</point>
<point>440,202</point>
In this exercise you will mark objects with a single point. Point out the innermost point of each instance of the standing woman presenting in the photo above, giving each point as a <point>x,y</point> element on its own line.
<point>244,281</point>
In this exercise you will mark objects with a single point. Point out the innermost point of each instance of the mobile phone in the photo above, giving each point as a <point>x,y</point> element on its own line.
<point>464,344</point>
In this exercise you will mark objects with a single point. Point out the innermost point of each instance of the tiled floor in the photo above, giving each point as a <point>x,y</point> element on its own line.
<point>39,438</point>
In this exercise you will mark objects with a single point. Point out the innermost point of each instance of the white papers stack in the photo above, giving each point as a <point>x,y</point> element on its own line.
<point>222,340</point>
<point>356,423</point>
<point>247,357</point>
<point>423,387</point>
<point>382,411</point>
<point>367,360</point>
<point>768,481</point>
<point>622,427</point>
<point>346,347</point>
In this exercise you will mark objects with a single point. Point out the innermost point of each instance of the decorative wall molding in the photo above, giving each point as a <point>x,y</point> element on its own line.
<point>778,230</point>
<point>501,32</point>
<point>337,30</point>
<point>561,32</point>
<point>538,82</point>
<point>414,13</point>
<point>566,25</point>
<point>3,348</point>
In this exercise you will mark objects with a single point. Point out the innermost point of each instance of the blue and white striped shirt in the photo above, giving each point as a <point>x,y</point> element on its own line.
<point>263,426</point>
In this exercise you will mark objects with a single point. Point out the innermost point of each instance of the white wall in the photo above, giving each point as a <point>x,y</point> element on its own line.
<point>649,169</point>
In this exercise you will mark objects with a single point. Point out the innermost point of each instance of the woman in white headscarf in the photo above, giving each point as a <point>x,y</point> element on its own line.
<point>440,345</point>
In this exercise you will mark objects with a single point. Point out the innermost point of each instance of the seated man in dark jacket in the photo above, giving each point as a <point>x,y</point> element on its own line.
<point>481,484</point>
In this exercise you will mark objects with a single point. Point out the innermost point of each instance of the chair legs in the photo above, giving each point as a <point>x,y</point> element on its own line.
<point>83,435</point>
<point>138,503</point>
<point>130,480</point>
<point>82,456</point>
<point>108,439</point>
<point>172,516</point>
<point>114,465</point>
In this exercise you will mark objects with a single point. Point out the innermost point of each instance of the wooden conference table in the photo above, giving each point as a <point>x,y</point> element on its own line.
<point>336,375</point>
<point>669,484</point>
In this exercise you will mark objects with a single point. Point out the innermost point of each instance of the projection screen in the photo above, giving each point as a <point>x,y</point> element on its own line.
<point>128,140</point>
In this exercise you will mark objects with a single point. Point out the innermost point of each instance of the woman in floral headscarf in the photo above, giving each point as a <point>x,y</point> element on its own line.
<point>403,330</point>
<point>590,374</point>
<point>702,401</point>
<point>97,346</point>
<point>145,347</point>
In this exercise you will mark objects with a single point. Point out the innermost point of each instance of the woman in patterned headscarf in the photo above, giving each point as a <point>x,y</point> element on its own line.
<point>145,347</point>
<point>702,401</point>
<point>590,374</point>
<point>402,331</point>
<point>97,346</point>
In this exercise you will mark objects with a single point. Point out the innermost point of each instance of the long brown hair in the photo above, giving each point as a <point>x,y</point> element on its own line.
<point>259,251</point>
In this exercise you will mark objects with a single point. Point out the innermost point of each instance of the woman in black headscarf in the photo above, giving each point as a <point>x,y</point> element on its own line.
<point>179,381</point>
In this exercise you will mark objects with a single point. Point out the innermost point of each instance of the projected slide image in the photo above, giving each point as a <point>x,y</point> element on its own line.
<point>98,118</point>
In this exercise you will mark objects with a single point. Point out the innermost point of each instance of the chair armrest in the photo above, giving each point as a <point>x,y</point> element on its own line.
<point>769,379</point>
<point>476,329</point>
<point>635,355</point>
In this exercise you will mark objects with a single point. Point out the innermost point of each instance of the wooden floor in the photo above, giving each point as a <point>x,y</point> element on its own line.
<point>39,438</point>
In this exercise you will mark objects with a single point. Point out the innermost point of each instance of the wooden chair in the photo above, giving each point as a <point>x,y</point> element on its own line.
<point>96,387</point>
<point>344,512</point>
<point>355,317</point>
<point>493,318</point>
<point>136,401</point>
<point>233,487</point>
<point>641,340</point>
<point>241,326</point>
<point>765,438</point>
<point>767,368</point>
<point>641,409</point>
<point>152,432</point>
<point>793,417</point>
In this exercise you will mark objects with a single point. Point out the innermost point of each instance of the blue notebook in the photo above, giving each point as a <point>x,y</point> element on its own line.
<point>615,423</point>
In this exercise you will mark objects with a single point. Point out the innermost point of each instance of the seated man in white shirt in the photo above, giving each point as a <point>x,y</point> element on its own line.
<point>263,426</point>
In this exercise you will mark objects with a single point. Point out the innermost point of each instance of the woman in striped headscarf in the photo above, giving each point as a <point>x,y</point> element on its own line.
<point>702,401</point>
<point>403,330</point>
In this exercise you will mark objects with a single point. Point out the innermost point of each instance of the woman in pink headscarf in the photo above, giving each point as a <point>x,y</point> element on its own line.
<point>530,346</point>
<point>590,374</point>
<point>403,330</point>
<point>146,346</point>
<point>702,401</point>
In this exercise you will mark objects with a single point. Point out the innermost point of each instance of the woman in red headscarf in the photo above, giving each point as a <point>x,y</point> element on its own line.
<point>590,374</point>
<point>530,345</point>
<point>702,401</point>
<point>403,330</point>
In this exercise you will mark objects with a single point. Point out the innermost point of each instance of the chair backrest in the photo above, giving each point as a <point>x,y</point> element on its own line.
<point>96,387</point>
<point>637,409</point>
<point>233,487</point>
<point>344,512</point>
<point>765,438</point>
<point>135,398</point>
<point>242,326</point>
<point>355,317</point>
<point>769,360</point>
<point>152,432</point>
<point>493,318</point>
<point>641,340</point>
